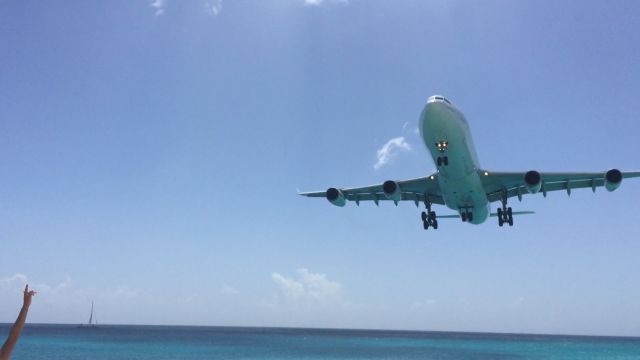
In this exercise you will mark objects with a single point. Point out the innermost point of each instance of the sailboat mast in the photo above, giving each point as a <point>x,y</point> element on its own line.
<point>91,316</point>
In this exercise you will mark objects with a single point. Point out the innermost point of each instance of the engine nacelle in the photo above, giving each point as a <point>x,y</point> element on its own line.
<point>612,179</point>
<point>392,190</point>
<point>336,197</point>
<point>533,181</point>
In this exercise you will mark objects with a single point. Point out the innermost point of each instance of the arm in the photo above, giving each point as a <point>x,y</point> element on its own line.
<point>7,348</point>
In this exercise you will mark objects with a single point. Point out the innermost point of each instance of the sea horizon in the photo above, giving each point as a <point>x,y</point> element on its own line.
<point>336,329</point>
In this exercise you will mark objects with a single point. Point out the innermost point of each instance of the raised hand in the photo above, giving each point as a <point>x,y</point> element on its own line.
<point>28,294</point>
<point>16,329</point>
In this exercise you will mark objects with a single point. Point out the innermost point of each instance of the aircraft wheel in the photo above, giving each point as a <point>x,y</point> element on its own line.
<point>463,215</point>
<point>470,216</point>
<point>509,212</point>
<point>439,161</point>
<point>423,216</point>
<point>511,221</point>
<point>435,224</point>
<point>500,222</point>
<point>425,224</point>
<point>432,216</point>
<point>446,161</point>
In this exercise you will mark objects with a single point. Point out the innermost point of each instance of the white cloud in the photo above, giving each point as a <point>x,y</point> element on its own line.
<point>53,289</point>
<point>64,291</point>
<point>158,6</point>
<point>518,302</point>
<point>423,304</point>
<point>320,2</point>
<point>308,286</point>
<point>318,286</point>
<point>389,150</point>
<point>10,281</point>
<point>290,288</point>
<point>213,7</point>
<point>229,290</point>
<point>126,292</point>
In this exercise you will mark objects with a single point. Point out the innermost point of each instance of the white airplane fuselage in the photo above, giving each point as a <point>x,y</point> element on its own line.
<point>443,124</point>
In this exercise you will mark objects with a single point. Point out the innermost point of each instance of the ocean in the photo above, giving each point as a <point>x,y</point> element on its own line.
<point>184,342</point>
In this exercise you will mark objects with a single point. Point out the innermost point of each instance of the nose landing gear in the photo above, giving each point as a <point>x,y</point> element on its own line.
<point>442,147</point>
<point>466,215</point>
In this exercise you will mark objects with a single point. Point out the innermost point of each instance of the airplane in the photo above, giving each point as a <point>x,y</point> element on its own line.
<point>460,183</point>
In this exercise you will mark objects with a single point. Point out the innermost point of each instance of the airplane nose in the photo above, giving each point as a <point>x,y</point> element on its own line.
<point>434,106</point>
<point>436,113</point>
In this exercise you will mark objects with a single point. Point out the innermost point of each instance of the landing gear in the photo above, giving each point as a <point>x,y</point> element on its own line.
<point>466,215</point>
<point>429,217</point>
<point>429,220</point>
<point>442,146</point>
<point>505,215</point>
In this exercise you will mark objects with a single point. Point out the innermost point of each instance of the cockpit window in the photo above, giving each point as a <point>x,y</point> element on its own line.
<point>441,98</point>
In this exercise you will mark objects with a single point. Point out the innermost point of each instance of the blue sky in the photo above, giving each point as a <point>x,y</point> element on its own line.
<point>151,152</point>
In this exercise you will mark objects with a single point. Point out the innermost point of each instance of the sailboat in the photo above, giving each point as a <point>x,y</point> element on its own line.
<point>92,323</point>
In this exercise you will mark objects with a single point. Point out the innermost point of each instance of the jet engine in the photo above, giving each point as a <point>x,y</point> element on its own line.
<point>533,181</point>
<point>612,179</point>
<point>392,190</point>
<point>336,197</point>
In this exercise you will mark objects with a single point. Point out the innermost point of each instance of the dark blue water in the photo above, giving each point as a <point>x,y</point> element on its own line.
<point>166,342</point>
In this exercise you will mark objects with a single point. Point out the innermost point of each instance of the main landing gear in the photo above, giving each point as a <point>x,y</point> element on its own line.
<point>429,217</point>
<point>505,215</point>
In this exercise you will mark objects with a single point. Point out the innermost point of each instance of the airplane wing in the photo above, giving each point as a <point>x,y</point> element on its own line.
<point>415,190</point>
<point>496,184</point>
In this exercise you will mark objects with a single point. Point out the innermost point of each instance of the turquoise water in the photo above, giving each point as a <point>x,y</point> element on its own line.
<point>166,342</point>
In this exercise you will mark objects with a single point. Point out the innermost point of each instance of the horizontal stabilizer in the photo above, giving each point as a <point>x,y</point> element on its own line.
<point>516,213</point>
<point>448,216</point>
<point>492,215</point>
